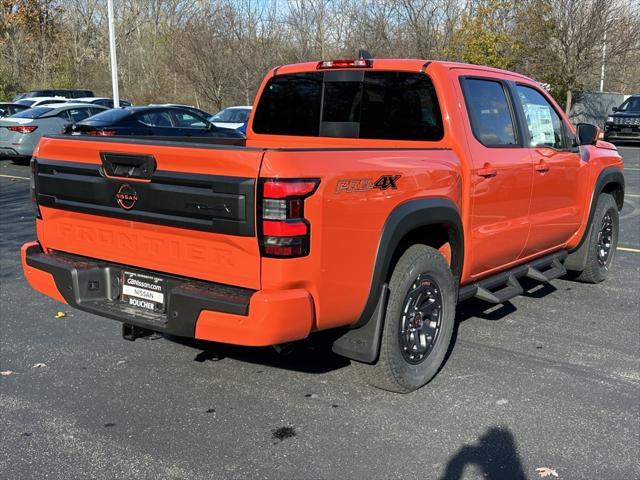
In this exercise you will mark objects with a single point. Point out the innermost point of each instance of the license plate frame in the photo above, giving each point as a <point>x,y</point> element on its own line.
<point>144,291</point>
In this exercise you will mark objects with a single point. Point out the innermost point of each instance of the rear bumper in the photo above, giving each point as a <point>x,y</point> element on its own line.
<point>196,309</point>
<point>6,152</point>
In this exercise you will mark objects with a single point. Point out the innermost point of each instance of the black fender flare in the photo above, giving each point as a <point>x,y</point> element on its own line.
<point>362,341</point>
<point>610,176</point>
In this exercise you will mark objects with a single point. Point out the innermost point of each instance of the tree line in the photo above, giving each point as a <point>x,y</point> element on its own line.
<point>214,53</point>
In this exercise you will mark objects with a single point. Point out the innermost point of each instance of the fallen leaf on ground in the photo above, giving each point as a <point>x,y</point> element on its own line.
<point>546,471</point>
<point>6,373</point>
<point>60,314</point>
<point>39,365</point>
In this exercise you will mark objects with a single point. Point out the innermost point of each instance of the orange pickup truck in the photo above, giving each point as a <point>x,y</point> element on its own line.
<point>370,197</point>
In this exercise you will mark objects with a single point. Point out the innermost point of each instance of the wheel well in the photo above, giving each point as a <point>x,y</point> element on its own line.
<point>437,236</point>
<point>616,190</point>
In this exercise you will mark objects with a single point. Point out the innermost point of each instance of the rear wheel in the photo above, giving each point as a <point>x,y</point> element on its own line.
<point>418,322</point>
<point>603,240</point>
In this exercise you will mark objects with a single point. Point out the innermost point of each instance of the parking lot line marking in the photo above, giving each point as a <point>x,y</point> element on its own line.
<point>634,169</point>
<point>627,249</point>
<point>13,176</point>
<point>634,195</point>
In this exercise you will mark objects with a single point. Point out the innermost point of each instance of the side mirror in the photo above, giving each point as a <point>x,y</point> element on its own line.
<point>587,134</point>
<point>210,126</point>
<point>615,109</point>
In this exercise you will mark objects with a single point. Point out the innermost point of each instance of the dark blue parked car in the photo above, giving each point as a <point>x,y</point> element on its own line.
<point>159,121</point>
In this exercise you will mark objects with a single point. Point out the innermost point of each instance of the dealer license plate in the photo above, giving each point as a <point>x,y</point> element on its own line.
<point>143,291</point>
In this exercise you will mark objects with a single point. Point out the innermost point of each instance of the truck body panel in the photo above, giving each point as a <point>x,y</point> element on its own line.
<point>195,213</point>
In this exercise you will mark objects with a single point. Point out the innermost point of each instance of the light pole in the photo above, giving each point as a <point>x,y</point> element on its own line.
<point>604,57</point>
<point>112,54</point>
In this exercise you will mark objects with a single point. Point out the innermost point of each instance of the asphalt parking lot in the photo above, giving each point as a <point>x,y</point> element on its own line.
<point>550,380</point>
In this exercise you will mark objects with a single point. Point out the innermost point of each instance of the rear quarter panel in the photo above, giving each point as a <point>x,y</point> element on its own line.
<point>346,226</point>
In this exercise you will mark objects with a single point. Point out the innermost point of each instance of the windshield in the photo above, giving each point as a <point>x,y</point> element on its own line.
<point>26,102</point>
<point>110,116</point>
<point>632,105</point>
<point>32,112</point>
<point>231,115</point>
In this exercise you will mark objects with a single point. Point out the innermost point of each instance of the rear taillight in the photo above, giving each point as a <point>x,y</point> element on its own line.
<point>22,128</point>
<point>33,179</point>
<point>284,232</point>
<point>102,133</point>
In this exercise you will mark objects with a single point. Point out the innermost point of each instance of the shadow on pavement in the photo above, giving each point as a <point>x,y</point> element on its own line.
<point>495,454</point>
<point>312,355</point>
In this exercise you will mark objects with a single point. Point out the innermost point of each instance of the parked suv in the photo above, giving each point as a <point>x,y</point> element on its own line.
<point>370,198</point>
<point>624,124</point>
<point>55,93</point>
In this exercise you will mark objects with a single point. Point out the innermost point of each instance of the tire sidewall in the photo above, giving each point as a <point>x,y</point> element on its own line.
<point>606,204</point>
<point>408,375</point>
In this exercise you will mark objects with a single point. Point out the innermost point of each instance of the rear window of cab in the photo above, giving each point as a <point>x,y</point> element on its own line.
<point>351,104</point>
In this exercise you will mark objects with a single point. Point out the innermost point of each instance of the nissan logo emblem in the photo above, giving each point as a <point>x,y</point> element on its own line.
<point>126,196</point>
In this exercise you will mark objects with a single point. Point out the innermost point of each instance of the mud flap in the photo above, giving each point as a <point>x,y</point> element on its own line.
<point>363,343</point>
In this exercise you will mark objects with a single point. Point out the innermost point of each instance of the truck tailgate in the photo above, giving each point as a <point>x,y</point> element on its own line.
<point>175,207</point>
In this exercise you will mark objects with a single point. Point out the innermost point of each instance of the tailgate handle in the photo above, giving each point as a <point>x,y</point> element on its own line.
<point>128,165</point>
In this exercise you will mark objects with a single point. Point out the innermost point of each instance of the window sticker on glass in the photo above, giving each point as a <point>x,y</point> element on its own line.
<point>540,124</point>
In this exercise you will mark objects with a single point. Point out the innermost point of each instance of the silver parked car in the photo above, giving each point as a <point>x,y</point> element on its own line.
<point>20,133</point>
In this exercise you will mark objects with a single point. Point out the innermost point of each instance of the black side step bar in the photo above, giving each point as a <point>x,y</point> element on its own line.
<point>542,269</point>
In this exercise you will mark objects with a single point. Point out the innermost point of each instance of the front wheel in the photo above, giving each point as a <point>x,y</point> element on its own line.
<point>603,240</point>
<point>418,323</point>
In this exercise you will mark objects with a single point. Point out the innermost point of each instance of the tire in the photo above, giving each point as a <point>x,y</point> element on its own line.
<point>596,268</point>
<point>401,368</point>
<point>21,160</point>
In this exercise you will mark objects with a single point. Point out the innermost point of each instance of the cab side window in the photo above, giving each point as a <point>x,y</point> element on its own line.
<point>543,123</point>
<point>490,113</point>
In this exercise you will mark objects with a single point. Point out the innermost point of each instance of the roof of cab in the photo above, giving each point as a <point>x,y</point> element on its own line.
<point>406,64</point>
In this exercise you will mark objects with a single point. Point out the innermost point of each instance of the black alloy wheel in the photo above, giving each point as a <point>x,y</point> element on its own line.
<point>421,319</point>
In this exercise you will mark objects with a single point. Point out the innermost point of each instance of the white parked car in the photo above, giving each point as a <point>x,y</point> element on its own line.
<point>235,118</point>
<point>32,102</point>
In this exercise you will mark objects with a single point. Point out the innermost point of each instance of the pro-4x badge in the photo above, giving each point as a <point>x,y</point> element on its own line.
<point>363,184</point>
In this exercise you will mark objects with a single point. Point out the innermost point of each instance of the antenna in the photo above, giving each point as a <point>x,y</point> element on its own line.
<point>364,54</point>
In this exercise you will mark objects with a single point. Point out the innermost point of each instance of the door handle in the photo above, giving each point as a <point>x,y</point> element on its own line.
<point>487,171</point>
<point>542,167</point>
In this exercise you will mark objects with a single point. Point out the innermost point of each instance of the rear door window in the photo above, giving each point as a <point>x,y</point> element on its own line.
<point>79,114</point>
<point>157,118</point>
<point>492,119</point>
<point>187,120</point>
<point>355,104</point>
